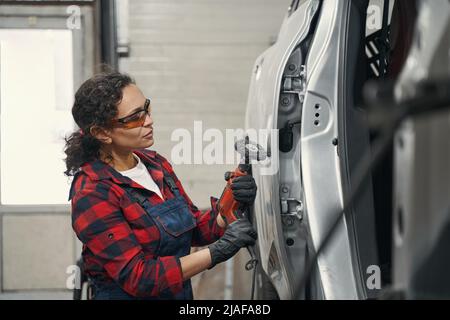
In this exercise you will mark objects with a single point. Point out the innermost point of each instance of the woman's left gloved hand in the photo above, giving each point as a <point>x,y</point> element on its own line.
<point>244,189</point>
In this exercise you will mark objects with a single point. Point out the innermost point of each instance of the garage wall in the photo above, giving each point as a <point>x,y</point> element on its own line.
<point>194,59</point>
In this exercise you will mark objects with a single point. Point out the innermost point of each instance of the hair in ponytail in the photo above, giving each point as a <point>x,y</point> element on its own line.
<point>95,105</point>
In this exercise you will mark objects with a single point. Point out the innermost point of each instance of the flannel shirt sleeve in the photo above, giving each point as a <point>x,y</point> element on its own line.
<point>99,223</point>
<point>207,230</point>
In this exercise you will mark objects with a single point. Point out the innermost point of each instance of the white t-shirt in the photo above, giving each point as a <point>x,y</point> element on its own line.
<point>141,175</point>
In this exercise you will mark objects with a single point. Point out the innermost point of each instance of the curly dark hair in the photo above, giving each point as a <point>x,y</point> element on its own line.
<point>95,104</point>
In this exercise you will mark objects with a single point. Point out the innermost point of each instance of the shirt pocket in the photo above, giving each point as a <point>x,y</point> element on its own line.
<point>176,221</point>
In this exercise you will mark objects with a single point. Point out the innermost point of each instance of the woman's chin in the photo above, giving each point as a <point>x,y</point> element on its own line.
<point>148,143</point>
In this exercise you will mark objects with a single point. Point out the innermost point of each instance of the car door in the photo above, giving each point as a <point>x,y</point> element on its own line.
<point>304,87</point>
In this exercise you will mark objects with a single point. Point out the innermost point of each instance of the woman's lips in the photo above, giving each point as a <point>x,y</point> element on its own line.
<point>148,135</point>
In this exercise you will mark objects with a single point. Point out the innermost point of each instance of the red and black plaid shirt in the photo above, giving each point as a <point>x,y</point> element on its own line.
<point>116,246</point>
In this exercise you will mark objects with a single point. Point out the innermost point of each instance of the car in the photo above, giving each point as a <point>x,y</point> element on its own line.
<point>310,87</point>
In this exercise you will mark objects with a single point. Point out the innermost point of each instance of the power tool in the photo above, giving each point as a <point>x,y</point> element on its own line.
<point>230,209</point>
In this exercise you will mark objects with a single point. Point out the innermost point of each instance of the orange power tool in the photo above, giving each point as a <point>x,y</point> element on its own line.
<point>230,209</point>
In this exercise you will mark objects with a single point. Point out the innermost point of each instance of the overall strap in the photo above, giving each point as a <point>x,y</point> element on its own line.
<point>170,181</point>
<point>136,195</point>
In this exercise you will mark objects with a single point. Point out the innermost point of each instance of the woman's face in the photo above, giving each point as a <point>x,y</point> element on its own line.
<point>134,138</point>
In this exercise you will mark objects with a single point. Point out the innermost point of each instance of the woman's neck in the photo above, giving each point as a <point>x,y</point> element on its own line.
<point>120,161</point>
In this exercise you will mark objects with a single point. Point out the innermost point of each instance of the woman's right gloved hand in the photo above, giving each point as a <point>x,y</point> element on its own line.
<point>238,234</point>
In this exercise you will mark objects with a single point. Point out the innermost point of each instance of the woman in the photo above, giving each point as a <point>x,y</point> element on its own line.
<point>129,209</point>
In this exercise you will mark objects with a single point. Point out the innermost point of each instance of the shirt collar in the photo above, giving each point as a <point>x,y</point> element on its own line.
<point>99,170</point>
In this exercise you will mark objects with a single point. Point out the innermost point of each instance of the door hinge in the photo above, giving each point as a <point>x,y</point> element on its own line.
<point>291,210</point>
<point>296,83</point>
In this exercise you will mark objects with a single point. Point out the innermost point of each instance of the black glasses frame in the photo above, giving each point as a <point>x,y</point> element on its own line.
<point>126,120</point>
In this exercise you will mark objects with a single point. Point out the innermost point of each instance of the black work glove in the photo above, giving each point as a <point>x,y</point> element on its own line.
<point>244,189</point>
<point>238,234</point>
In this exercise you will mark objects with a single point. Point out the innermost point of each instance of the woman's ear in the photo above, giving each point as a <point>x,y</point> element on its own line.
<point>101,134</point>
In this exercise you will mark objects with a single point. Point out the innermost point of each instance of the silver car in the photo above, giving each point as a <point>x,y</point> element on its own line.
<point>310,86</point>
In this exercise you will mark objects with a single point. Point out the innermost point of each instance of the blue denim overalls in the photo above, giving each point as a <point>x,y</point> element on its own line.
<point>175,223</point>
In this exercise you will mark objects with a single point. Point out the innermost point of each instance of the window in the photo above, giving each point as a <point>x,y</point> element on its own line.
<point>36,93</point>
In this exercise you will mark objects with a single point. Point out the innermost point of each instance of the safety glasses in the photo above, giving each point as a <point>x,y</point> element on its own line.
<point>134,120</point>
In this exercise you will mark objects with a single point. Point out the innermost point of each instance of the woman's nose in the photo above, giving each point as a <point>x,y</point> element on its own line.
<point>148,120</point>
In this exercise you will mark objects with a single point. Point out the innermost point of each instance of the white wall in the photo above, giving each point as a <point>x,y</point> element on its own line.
<point>194,59</point>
